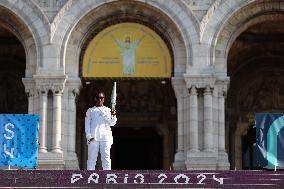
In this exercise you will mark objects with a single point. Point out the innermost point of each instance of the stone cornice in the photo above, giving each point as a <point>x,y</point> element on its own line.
<point>199,81</point>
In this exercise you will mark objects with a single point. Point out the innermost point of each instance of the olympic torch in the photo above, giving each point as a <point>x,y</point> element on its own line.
<point>113,97</point>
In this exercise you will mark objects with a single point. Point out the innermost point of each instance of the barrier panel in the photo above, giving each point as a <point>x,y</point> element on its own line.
<point>141,179</point>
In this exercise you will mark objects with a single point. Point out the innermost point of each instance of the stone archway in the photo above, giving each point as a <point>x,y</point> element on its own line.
<point>233,25</point>
<point>13,98</point>
<point>236,26</point>
<point>143,107</point>
<point>255,66</point>
<point>18,54</point>
<point>121,11</point>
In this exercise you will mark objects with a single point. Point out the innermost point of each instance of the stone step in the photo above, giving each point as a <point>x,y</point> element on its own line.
<point>141,179</point>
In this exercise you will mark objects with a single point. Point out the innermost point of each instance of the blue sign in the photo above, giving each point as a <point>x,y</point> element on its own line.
<point>19,140</point>
<point>270,139</point>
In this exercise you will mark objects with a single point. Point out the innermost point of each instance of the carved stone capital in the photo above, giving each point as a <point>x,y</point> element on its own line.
<point>57,88</point>
<point>208,90</point>
<point>75,92</point>
<point>29,84</point>
<point>199,81</point>
<point>73,85</point>
<point>54,83</point>
<point>179,87</point>
<point>30,92</point>
<point>193,90</point>
<point>42,89</point>
<point>223,85</point>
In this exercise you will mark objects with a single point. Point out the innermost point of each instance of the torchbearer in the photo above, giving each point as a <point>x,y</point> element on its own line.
<point>98,121</point>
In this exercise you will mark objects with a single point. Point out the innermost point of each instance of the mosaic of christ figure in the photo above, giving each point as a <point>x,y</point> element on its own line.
<point>128,49</point>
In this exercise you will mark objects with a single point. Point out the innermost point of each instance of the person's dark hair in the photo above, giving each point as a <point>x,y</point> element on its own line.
<point>99,92</point>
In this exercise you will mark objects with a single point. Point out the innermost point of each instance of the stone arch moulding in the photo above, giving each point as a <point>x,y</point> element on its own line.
<point>19,23</point>
<point>246,16</point>
<point>149,13</point>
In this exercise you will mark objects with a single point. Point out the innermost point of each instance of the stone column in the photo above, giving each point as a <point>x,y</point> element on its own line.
<point>223,161</point>
<point>221,138</point>
<point>186,114</point>
<point>71,159</point>
<point>193,120</point>
<point>180,129</point>
<point>42,120</point>
<point>72,120</point>
<point>208,120</point>
<point>215,117</point>
<point>56,130</point>
<point>179,87</point>
<point>54,158</point>
<point>30,95</point>
<point>30,91</point>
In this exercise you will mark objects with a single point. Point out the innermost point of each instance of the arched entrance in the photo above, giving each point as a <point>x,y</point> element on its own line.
<point>100,16</point>
<point>145,135</point>
<point>13,98</point>
<point>255,66</point>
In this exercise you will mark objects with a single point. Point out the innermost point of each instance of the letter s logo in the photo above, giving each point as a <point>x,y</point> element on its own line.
<point>9,131</point>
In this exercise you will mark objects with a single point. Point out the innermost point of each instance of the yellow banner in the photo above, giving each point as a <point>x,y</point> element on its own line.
<point>127,50</point>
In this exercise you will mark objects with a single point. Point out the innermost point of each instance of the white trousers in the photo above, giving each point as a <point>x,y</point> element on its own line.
<point>93,150</point>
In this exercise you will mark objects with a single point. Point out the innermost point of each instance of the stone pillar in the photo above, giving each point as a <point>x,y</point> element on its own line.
<point>72,120</point>
<point>221,141</point>
<point>186,123</point>
<point>215,117</point>
<point>30,94</point>
<point>56,130</point>
<point>30,91</point>
<point>180,129</point>
<point>193,120</point>
<point>42,120</point>
<point>201,116</point>
<point>179,87</point>
<point>71,161</point>
<point>208,120</point>
<point>223,161</point>
<point>53,159</point>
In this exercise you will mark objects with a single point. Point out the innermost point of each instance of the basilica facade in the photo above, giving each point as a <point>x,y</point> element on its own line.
<point>203,69</point>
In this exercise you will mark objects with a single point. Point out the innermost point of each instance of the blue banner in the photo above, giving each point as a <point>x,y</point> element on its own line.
<point>270,139</point>
<point>19,140</point>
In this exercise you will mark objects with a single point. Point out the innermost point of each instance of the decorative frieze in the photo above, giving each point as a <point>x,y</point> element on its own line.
<point>199,81</point>
<point>54,83</point>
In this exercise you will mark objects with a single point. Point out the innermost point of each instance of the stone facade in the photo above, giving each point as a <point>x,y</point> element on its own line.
<point>199,32</point>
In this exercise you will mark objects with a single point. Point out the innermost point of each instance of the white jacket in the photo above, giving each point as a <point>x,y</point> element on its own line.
<point>97,123</point>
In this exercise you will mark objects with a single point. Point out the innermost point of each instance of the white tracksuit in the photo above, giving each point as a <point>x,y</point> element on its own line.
<point>97,125</point>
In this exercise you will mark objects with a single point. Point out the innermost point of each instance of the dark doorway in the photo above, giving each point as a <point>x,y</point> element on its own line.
<point>146,127</point>
<point>137,148</point>
<point>248,149</point>
<point>13,98</point>
<point>256,70</point>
